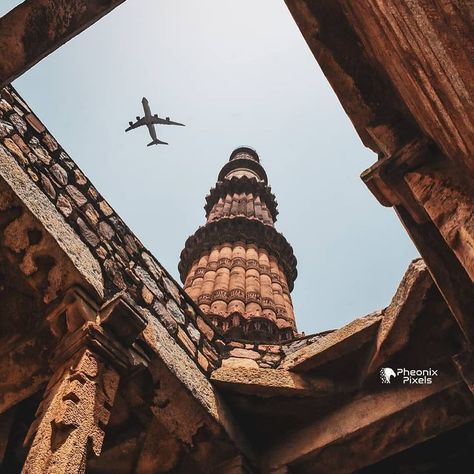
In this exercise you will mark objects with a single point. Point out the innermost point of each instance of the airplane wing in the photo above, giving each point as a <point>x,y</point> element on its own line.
<point>160,121</point>
<point>138,123</point>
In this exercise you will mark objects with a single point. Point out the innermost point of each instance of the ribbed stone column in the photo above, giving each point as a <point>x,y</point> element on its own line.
<point>237,267</point>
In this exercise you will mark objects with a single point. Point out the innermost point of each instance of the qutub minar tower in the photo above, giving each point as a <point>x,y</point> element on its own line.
<point>237,267</point>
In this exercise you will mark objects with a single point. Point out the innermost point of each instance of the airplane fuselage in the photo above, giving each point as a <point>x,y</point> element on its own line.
<point>148,121</point>
<point>146,109</point>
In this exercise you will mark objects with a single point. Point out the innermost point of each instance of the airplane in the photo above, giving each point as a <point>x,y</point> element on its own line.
<point>150,121</point>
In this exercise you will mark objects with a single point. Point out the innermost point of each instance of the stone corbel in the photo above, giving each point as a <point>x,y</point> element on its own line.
<point>96,348</point>
<point>385,178</point>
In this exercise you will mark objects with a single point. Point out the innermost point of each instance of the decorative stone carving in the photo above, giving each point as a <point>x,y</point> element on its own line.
<point>72,417</point>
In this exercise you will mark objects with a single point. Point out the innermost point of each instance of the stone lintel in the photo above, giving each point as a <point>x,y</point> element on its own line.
<point>272,382</point>
<point>334,345</point>
<point>35,28</point>
<point>374,427</point>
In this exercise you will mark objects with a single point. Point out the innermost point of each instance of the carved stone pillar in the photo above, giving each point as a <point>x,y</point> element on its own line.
<point>95,346</point>
<point>73,415</point>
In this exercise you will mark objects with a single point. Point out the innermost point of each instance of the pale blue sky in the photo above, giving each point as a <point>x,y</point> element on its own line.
<point>236,73</point>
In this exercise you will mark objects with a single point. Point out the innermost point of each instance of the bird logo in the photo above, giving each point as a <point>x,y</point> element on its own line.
<point>386,373</point>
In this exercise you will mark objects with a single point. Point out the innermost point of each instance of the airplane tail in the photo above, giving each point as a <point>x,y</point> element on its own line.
<point>157,142</point>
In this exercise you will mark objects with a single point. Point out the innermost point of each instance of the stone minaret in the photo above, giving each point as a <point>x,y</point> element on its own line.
<point>237,267</point>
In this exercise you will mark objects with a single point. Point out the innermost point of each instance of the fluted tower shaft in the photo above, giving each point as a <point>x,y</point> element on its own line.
<point>237,267</point>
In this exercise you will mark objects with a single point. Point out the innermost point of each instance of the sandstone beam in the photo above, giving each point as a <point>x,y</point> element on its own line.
<point>334,345</point>
<point>271,382</point>
<point>35,28</point>
<point>421,55</point>
<point>373,427</point>
<point>397,69</point>
<point>434,201</point>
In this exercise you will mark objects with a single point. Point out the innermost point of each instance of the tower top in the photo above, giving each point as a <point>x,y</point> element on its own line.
<point>243,161</point>
<point>244,152</point>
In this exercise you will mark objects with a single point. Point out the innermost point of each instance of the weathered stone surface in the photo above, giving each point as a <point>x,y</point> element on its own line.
<point>105,208</point>
<point>175,311</point>
<point>270,382</point>
<point>398,317</point>
<point>40,206</point>
<point>338,442</point>
<point>194,334</point>
<point>39,151</point>
<point>149,282</point>
<point>165,317</point>
<point>186,341</point>
<point>35,123</point>
<point>334,344</point>
<point>5,129</point>
<point>92,216</point>
<point>15,150</point>
<point>64,205</point>
<point>72,417</point>
<point>19,123</point>
<point>147,295</point>
<point>86,232</point>
<point>205,328</point>
<point>234,362</point>
<point>202,361</point>
<point>78,197</point>
<point>106,231</point>
<point>245,353</point>
<point>59,173</point>
<point>48,187</point>
<point>50,142</point>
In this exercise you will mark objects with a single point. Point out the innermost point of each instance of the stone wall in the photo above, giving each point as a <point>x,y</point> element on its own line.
<point>125,263</point>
